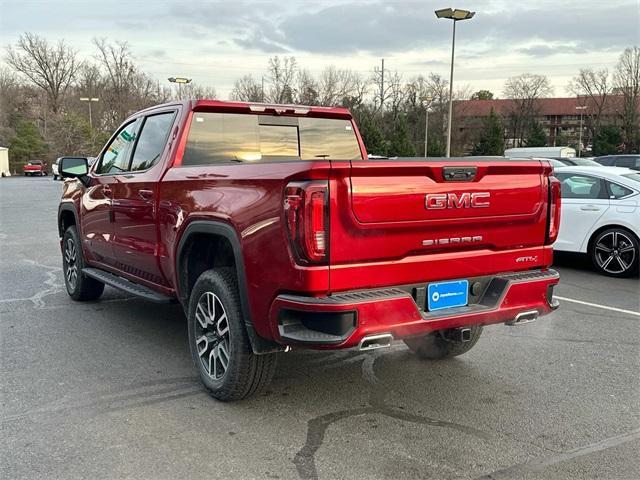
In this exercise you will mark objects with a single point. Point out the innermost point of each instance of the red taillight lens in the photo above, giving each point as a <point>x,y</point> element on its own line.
<point>306,209</point>
<point>553,222</point>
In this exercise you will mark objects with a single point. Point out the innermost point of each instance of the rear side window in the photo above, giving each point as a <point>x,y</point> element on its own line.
<point>625,162</point>
<point>581,186</point>
<point>152,140</point>
<point>606,161</point>
<point>618,191</point>
<point>226,137</point>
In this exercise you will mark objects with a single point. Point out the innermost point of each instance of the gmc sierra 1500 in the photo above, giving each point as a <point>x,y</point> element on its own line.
<point>272,228</point>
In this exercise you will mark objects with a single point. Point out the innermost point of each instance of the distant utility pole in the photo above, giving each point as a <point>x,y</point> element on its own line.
<point>581,108</point>
<point>382,84</point>
<point>90,99</point>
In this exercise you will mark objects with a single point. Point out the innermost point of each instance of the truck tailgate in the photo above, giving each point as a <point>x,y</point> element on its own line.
<point>398,208</point>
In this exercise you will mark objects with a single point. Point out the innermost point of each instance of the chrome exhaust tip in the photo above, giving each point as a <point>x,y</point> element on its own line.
<point>373,342</point>
<point>524,317</point>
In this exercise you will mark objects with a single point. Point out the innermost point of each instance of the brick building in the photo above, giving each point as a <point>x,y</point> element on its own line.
<point>558,116</point>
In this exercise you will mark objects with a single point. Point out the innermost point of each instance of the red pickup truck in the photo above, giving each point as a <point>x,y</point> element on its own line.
<point>273,229</point>
<point>34,167</point>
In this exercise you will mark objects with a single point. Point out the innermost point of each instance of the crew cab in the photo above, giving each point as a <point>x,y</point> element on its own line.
<point>274,230</point>
<point>34,167</point>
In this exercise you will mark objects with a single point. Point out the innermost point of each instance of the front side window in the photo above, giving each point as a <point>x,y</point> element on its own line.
<point>581,186</point>
<point>116,157</point>
<point>226,137</point>
<point>152,140</point>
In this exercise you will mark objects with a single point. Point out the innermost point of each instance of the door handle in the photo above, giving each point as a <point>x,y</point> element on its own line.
<point>590,208</point>
<point>146,194</point>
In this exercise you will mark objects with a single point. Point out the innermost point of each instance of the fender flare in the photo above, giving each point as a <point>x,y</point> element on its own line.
<point>67,207</point>
<point>211,227</point>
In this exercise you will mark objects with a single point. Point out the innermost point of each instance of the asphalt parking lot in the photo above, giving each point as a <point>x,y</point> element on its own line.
<point>107,390</point>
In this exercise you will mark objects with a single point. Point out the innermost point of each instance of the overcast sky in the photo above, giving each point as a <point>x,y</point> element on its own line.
<point>215,42</point>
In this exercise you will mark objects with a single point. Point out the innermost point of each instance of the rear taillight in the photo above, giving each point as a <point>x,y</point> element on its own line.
<point>553,218</point>
<point>306,215</point>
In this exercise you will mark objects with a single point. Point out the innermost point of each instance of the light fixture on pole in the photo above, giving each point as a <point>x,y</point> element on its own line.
<point>90,99</point>
<point>456,15</point>
<point>582,108</point>
<point>426,102</point>
<point>180,81</point>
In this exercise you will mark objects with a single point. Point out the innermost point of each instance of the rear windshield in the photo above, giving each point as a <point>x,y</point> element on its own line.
<point>228,137</point>
<point>34,162</point>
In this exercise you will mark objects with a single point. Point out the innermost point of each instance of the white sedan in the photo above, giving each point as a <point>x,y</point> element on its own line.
<point>601,217</point>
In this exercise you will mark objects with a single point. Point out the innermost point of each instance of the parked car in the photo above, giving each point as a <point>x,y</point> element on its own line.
<point>627,161</point>
<point>571,162</point>
<point>35,167</point>
<point>55,168</point>
<point>272,228</point>
<point>601,217</point>
<point>540,152</point>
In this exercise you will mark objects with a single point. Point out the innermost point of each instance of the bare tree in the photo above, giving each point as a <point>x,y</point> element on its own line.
<point>525,90</point>
<point>246,89</point>
<point>194,91</point>
<point>307,89</point>
<point>626,81</point>
<point>282,74</point>
<point>120,73</point>
<point>594,88</point>
<point>50,67</point>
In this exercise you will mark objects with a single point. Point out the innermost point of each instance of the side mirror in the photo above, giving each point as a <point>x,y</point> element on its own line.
<point>73,167</point>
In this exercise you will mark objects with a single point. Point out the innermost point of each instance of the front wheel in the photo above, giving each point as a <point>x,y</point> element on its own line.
<point>439,344</point>
<point>219,343</point>
<point>614,252</point>
<point>79,286</point>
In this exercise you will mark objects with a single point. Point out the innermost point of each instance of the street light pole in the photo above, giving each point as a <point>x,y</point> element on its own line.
<point>426,101</point>
<point>453,49</point>
<point>582,108</point>
<point>455,15</point>
<point>90,99</point>
<point>180,81</point>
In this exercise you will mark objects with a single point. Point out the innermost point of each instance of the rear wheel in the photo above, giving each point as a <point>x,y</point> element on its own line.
<point>615,252</point>
<point>219,343</point>
<point>79,286</point>
<point>440,344</point>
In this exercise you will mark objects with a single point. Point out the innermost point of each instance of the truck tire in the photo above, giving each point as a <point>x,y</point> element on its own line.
<point>79,286</point>
<point>436,345</point>
<point>219,343</point>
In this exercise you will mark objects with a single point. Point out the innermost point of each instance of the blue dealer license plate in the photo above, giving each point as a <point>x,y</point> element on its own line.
<point>447,294</point>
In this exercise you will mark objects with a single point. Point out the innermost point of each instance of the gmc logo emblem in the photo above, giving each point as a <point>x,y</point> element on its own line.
<point>436,201</point>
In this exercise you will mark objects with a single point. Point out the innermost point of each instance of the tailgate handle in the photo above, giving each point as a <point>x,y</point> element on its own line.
<point>459,174</point>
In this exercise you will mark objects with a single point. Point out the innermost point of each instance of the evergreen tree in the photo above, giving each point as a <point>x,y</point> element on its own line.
<point>491,140</point>
<point>401,144</point>
<point>537,136</point>
<point>607,140</point>
<point>27,144</point>
<point>372,135</point>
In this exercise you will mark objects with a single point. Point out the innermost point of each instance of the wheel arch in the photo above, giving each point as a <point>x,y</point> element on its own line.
<point>67,216</point>
<point>222,246</point>
<point>608,226</point>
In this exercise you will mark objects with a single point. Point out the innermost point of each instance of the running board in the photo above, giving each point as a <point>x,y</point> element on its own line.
<point>126,286</point>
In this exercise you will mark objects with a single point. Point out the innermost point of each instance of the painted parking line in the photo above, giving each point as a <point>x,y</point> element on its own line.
<point>597,305</point>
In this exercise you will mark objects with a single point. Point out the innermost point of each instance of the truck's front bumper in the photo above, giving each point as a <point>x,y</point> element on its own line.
<point>344,319</point>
